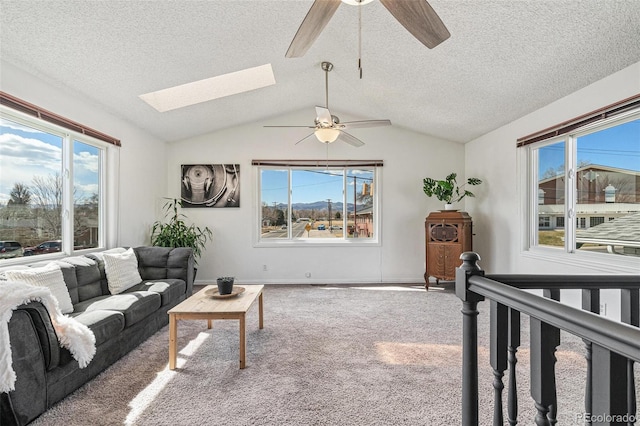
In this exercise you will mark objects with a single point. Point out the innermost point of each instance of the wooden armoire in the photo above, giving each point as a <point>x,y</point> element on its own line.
<point>448,234</point>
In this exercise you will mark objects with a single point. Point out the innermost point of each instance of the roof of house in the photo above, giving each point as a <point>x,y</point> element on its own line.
<point>622,229</point>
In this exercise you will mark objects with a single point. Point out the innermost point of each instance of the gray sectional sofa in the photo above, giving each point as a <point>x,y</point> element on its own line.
<point>45,372</point>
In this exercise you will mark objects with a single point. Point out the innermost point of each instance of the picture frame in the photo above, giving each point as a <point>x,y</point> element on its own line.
<point>210,185</point>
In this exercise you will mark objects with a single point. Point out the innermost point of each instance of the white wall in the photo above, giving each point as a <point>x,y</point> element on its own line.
<point>492,157</point>
<point>142,165</point>
<point>408,158</point>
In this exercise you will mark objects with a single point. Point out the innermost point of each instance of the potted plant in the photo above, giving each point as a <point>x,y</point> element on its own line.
<point>225,285</point>
<point>448,190</point>
<point>176,233</point>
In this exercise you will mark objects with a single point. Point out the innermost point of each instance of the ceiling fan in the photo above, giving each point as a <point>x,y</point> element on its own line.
<point>328,128</point>
<point>417,16</point>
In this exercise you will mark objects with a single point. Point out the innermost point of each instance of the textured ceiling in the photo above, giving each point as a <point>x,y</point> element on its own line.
<point>504,59</point>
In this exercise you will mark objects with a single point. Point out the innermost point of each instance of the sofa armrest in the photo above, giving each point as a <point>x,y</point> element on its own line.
<point>46,334</point>
<point>29,399</point>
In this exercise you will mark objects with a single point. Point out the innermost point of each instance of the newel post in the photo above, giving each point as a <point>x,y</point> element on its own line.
<point>470,301</point>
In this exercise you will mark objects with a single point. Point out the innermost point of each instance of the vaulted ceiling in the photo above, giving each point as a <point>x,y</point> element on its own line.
<point>504,59</point>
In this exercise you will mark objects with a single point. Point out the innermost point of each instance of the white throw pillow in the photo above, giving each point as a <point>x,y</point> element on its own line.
<point>121,270</point>
<point>49,276</point>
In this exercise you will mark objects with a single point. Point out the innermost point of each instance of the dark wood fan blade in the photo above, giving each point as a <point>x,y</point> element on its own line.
<point>306,137</point>
<point>365,123</point>
<point>324,116</point>
<point>419,18</point>
<point>350,139</point>
<point>317,18</point>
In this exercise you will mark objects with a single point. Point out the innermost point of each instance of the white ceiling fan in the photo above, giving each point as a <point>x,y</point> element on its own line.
<point>417,16</point>
<point>328,128</point>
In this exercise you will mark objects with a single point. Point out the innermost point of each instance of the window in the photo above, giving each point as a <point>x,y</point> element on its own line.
<point>305,203</point>
<point>587,174</point>
<point>544,222</point>
<point>52,185</point>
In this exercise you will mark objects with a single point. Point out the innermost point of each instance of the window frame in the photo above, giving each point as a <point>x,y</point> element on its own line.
<point>528,161</point>
<point>258,241</point>
<point>108,185</point>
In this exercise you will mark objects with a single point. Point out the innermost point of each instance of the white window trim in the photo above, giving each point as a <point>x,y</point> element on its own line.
<point>319,242</point>
<point>109,186</point>
<point>598,262</point>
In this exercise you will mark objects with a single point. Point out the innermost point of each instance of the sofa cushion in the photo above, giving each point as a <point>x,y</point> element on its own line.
<point>70,279</point>
<point>49,276</point>
<point>152,262</point>
<point>104,324</point>
<point>121,270</point>
<point>169,289</point>
<point>90,283</point>
<point>134,306</point>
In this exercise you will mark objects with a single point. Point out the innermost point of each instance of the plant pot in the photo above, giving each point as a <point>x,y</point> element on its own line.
<point>448,207</point>
<point>225,287</point>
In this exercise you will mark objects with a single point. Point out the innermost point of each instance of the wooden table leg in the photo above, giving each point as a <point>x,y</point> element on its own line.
<point>209,323</point>
<point>173,344</point>
<point>243,342</point>
<point>260,311</point>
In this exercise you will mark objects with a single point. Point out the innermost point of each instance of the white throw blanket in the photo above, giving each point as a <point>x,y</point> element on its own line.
<point>73,335</point>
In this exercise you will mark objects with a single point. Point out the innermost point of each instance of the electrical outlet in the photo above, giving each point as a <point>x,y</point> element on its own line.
<point>603,309</point>
<point>264,267</point>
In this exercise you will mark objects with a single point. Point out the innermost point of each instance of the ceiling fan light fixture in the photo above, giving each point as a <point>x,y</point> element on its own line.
<point>356,2</point>
<point>327,135</point>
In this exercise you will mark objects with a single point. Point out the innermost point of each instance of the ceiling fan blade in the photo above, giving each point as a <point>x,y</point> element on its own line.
<point>364,123</point>
<point>317,18</point>
<point>419,18</point>
<point>350,139</point>
<point>306,137</point>
<point>324,116</point>
<point>306,127</point>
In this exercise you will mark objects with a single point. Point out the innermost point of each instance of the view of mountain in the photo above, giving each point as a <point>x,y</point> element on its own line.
<point>320,205</point>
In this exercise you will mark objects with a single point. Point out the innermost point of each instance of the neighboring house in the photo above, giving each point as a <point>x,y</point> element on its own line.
<point>363,223</point>
<point>604,194</point>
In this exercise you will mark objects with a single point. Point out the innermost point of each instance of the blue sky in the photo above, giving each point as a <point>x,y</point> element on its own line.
<point>310,186</point>
<point>26,152</point>
<point>617,146</point>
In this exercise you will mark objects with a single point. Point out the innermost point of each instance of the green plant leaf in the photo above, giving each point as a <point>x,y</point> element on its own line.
<point>176,233</point>
<point>447,190</point>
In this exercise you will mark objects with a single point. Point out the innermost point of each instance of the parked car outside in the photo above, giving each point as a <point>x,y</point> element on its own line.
<point>10,249</point>
<point>321,227</point>
<point>336,228</point>
<point>46,247</point>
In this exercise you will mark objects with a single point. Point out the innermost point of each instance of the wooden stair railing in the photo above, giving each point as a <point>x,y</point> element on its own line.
<point>612,347</point>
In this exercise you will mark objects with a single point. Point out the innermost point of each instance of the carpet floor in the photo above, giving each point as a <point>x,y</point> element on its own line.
<point>379,355</point>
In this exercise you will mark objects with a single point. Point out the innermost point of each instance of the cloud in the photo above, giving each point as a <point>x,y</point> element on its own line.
<point>17,126</point>
<point>22,158</point>
<point>86,162</point>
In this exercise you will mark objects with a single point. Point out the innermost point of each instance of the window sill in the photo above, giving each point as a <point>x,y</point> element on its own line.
<point>596,262</point>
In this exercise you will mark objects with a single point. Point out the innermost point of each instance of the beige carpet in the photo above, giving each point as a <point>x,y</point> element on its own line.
<point>327,356</point>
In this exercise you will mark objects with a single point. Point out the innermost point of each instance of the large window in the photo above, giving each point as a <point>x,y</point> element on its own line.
<point>582,177</point>
<point>52,187</point>
<point>331,203</point>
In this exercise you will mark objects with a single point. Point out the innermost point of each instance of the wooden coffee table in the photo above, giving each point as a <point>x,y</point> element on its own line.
<point>201,306</point>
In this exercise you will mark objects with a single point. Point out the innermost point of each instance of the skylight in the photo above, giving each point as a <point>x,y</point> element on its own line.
<point>210,88</point>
